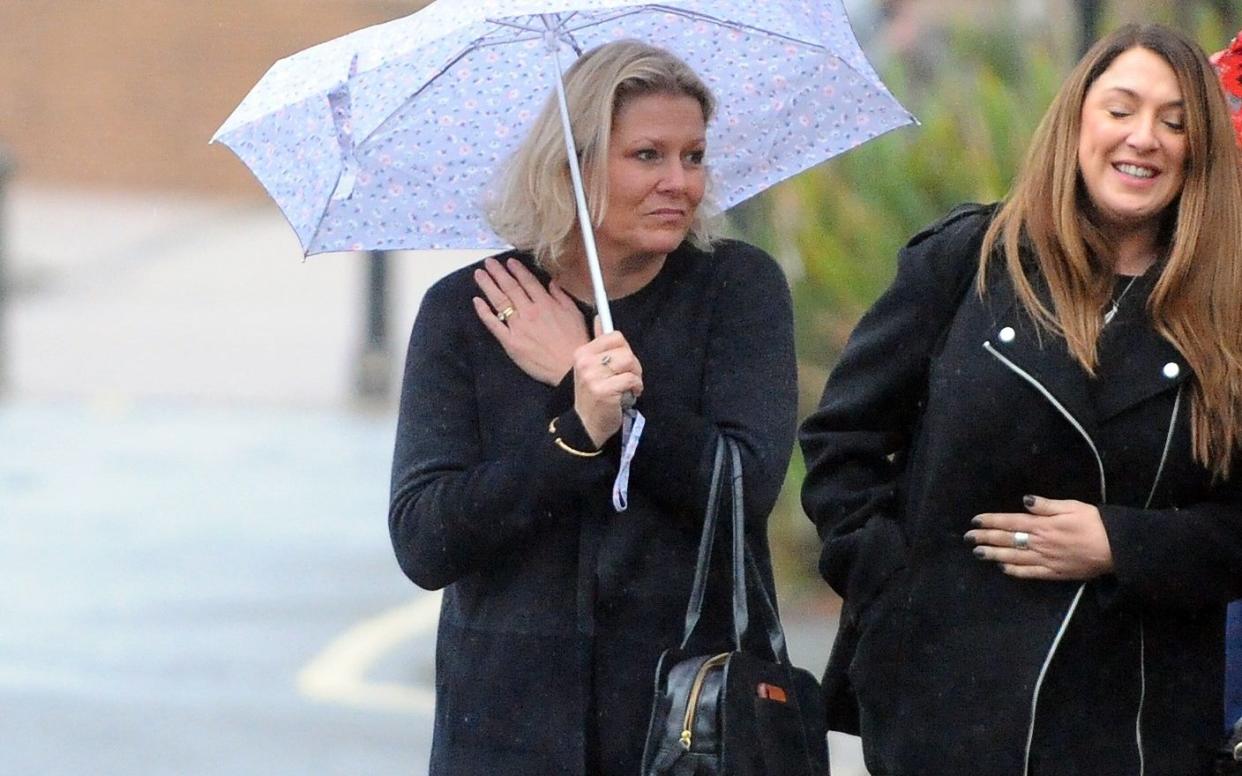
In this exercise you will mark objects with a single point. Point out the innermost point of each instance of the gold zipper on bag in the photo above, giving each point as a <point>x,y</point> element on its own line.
<point>695,689</point>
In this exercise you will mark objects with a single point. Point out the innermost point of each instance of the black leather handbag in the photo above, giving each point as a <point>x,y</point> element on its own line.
<point>733,713</point>
<point>1229,756</point>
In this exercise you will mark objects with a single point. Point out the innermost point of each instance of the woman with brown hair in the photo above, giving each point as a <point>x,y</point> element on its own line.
<point>1058,381</point>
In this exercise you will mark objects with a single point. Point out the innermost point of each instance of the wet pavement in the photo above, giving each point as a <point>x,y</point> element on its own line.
<point>170,574</point>
<point>197,574</point>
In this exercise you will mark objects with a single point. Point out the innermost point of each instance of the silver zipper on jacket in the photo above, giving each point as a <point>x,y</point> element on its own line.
<point>1069,613</point>
<point>1099,462</point>
<point>1155,483</point>
<point>1168,442</point>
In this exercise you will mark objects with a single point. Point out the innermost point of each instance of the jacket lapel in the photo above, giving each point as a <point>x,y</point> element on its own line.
<point>1042,358</point>
<point>1136,364</point>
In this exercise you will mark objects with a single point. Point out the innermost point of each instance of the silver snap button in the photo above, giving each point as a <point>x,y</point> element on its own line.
<point>1172,370</point>
<point>1007,334</point>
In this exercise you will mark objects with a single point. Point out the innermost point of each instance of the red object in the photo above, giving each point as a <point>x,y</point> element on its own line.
<point>772,692</point>
<point>1229,68</point>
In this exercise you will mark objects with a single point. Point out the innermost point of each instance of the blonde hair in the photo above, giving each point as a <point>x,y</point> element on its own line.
<point>532,205</point>
<point>1197,300</point>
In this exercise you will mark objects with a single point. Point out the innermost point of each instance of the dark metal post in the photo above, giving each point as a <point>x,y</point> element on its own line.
<point>1089,21</point>
<point>374,373</point>
<point>6,169</point>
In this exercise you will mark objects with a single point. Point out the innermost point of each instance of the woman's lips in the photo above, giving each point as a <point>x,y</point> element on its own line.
<point>1138,172</point>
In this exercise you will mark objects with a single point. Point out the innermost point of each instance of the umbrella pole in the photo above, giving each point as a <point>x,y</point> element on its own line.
<point>584,216</point>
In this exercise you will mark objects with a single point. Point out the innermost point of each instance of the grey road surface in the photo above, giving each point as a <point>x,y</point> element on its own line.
<point>196,570</point>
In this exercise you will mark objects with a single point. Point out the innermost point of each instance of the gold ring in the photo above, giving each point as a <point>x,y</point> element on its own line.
<point>506,313</point>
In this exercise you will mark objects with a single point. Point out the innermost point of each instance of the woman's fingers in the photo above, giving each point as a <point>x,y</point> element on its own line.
<point>508,285</point>
<point>606,361</point>
<point>1037,505</point>
<point>618,360</point>
<point>1004,521</point>
<point>996,538</point>
<point>609,389</point>
<point>503,292</point>
<point>1031,572</point>
<point>604,343</point>
<point>526,280</point>
<point>605,370</point>
<point>597,400</point>
<point>1056,539</point>
<point>498,299</point>
<point>490,320</point>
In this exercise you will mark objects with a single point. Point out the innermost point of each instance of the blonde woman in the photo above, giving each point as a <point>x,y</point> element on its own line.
<point>556,608</point>
<point>1057,381</point>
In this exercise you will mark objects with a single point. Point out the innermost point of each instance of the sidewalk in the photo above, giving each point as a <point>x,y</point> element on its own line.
<point>182,450</point>
<point>125,298</point>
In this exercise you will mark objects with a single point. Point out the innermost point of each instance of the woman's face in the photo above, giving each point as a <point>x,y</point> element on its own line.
<point>1132,144</point>
<point>656,175</point>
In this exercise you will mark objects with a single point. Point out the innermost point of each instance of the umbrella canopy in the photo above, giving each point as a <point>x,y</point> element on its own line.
<point>388,137</point>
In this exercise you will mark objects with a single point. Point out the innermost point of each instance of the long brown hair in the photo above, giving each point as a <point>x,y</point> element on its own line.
<point>1197,300</point>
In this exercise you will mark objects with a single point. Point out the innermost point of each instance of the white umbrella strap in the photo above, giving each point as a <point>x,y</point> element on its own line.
<point>632,423</point>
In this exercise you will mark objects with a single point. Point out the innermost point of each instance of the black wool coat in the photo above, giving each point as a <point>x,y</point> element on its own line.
<point>556,608</point>
<point>945,405</point>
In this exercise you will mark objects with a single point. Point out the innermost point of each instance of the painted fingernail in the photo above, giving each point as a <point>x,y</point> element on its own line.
<point>1029,501</point>
<point>968,538</point>
<point>980,553</point>
<point>976,521</point>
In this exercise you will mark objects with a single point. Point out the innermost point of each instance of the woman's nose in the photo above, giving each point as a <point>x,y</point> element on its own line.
<point>674,176</point>
<point>1143,135</point>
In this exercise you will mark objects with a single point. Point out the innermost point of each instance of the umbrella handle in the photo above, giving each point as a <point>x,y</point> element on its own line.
<point>584,216</point>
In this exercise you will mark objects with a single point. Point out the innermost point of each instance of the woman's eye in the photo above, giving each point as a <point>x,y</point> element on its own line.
<point>1175,125</point>
<point>646,154</point>
<point>1118,113</point>
<point>696,157</point>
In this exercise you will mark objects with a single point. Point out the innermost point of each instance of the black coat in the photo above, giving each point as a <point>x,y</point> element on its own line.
<point>556,608</point>
<point>945,405</point>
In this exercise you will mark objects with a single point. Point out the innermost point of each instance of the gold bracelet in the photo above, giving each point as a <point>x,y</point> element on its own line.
<point>561,443</point>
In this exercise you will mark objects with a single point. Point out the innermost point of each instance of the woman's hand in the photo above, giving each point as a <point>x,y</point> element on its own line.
<point>1057,540</point>
<point>604,370</point>
<point>539,328</point>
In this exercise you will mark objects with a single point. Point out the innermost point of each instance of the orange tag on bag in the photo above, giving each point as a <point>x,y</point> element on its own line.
<point>772,693</point>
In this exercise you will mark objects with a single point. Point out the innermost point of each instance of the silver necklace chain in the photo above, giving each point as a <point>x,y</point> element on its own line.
<point>1112,311</point>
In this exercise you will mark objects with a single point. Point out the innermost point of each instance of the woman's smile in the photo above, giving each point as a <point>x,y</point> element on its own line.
<point>1132,143</point>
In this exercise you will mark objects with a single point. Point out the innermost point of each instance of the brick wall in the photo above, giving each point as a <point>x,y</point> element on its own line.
<point>128,92</point>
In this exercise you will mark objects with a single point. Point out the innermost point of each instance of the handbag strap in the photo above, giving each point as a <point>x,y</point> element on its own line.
<point>743,561</point>
<point>695,607</point>
<point>741,617</point>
